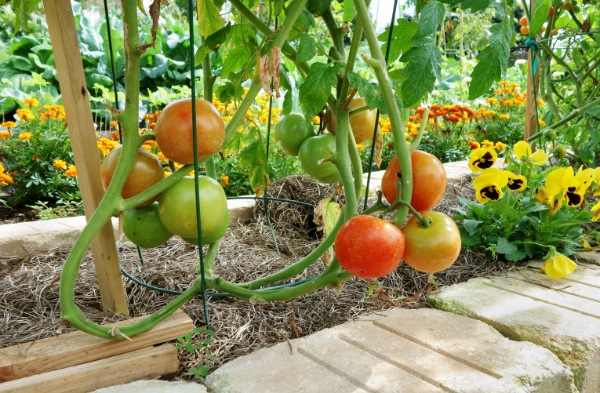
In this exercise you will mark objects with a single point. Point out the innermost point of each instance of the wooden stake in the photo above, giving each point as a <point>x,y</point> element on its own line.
<point>65,46</point>
<point>530,114</point>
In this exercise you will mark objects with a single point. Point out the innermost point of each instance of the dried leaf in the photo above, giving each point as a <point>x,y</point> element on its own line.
<point>269,68</point>
<point>378,149</point>
<point>155,14</point>
<point>275,63</point>
<point>265,74</point>
<point>326,215</point>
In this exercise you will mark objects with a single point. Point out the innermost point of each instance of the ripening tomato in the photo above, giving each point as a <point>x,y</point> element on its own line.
<point>315,149</point>
<point>429,181</point>
<point>362,124</point>
<point>177,207</point>
<point>524,30</point>
<point>551,12</point>
<point>143,227</point>
<point>145,173</point>
<point>554,32</point>
<point>291,131</point>
<point>523,21</point>
<point>543,28</point>
<point>567,6</point>
<point>213,236</point>
<point>432,249</point>
<point>174,130</point>
<point>369,247</point>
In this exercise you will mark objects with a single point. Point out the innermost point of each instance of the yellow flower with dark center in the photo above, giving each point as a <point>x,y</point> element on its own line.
<point>559,266</point>
<point>516,182</point>
<point>522,149</point>
<point>596,180</point>
<point>596,210</point>
<point>489,185</point>
<point>482,158</point>
<point>563,184</point>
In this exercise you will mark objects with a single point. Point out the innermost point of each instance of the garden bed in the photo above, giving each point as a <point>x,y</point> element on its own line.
<point>30,308</point>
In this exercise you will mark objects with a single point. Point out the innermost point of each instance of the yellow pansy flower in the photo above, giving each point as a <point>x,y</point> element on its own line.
<point>563,184</point>
<point>516,182</point>
<point>596,210</point>
<point>482,158</point>
<point>522,149</point>
<point>559,266</point>
<point>489,185</point>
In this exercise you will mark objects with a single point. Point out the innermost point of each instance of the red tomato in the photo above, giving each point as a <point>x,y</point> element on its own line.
<point>431,249</point>
<point>429,181</point>
<point>174,130</point>
<point>369,247</point>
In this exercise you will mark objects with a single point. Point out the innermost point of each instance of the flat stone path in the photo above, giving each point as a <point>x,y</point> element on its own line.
<point>155,387</point>
<point>398,351</point>
<point>560,315</point>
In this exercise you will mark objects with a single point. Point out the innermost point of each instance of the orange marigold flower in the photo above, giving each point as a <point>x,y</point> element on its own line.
<point>541,122</point>
<point>435,108</point>
<point>25,114</point>
<point>31,102</point>
<point>25,136</point>
<point>500,146</point>
<point>4,134</point>
<point>474,145</point>
<point>71,172</point>
<point>491,100</point>
<point>504,116</point>
<point>60,164</point>
<point>114,124</point>
<point>35,157</point>
<point>224,180</point>
<point>360,146</point>
<point>9,124</point>
<point>503,83</point>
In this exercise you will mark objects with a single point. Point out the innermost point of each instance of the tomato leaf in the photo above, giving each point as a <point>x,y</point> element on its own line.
<point>23,8</point>
<point>349,11</point>
<point>540,14</point>
<point>326,215</point>
<point>317,87</point>
<point>429,20</point>
<point>307,49</point>
<point>288,103</point>
<point>493,61</point>
<point>423,68</point>
<point>209,19</point>
<point>236,59</point>
<point>255,158</point>
<point>308,20</point>
<point>401,36</point>
<point>371,93</point>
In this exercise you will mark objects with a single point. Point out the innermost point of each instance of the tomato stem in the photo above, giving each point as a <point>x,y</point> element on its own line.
<point>417,141</point>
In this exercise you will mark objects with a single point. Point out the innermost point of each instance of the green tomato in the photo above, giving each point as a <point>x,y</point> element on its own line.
<point>144,228</point>
<point>315,149</point>
<point>214,236</point>
<point>559,152</point>
<point>550,135</point>
<point>317,7</point>
<point>177,207</point>
<point>291,131</point>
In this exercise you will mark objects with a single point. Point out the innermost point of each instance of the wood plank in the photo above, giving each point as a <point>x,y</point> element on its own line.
<point>65,47</point>
<point>76,348</point>
<point>144,363</point>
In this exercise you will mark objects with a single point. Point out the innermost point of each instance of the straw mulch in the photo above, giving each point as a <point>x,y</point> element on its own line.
<point>29,308</point>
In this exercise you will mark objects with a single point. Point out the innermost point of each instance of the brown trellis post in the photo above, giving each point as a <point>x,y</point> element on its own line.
<point>530,115</point>
<point>65,46</point>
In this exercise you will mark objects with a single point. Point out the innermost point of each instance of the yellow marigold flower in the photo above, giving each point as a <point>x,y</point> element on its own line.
<point>503,83</point>
<point>482,158</point>
<point>489,113</point>
<point>114,124</point>
<point>227,119</point>
<point>540,102</point>
<point>71,172</point>
<point>31,102</point>
<point>25,136</point>
<point>251,125</point>
<point>60,164</point>
<point>559,266</point>
<point>8,124</point>
<point>487,143</point>
<point>522,149</point>
<point>489,185</point>
<point>541,122</point>
<point>407,144</point>
<point>4,134</point>
<point>500,146</point>
<point>514,85</point>
<point>491,100</point>
<point>25,114</point>
<point>519,102</point>
<point>360,146</point>
<point>316,119</point>
<point>224,180</point>
<point>504,116</point>
<point>263,118</point>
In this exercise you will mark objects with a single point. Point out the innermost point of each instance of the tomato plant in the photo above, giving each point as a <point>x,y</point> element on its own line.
<point>213,236</point>
<point>434,248</point>
<point>369,247</point>
<point>144,228</point>
<point>362,123</point>
<point>429,180</point>
<point>174,130</point>
<point>315,149</point>
<point>177,207</point>
<point>145,173</point>
<point>291,131</point>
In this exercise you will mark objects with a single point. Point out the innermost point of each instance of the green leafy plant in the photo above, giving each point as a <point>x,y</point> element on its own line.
<point>207,359</point>
<point>69,209</point>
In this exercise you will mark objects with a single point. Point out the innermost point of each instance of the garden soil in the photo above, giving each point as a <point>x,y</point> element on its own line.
<point>30,309</point>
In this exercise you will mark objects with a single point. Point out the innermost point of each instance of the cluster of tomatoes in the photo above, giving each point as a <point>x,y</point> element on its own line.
<point>525,23</point>
<point>370,247</point>
<point>152,223</point>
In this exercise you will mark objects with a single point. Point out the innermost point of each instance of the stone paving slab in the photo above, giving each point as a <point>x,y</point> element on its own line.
<point>398,351</point>
<point>560,315</point>
<point>155,387</point>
